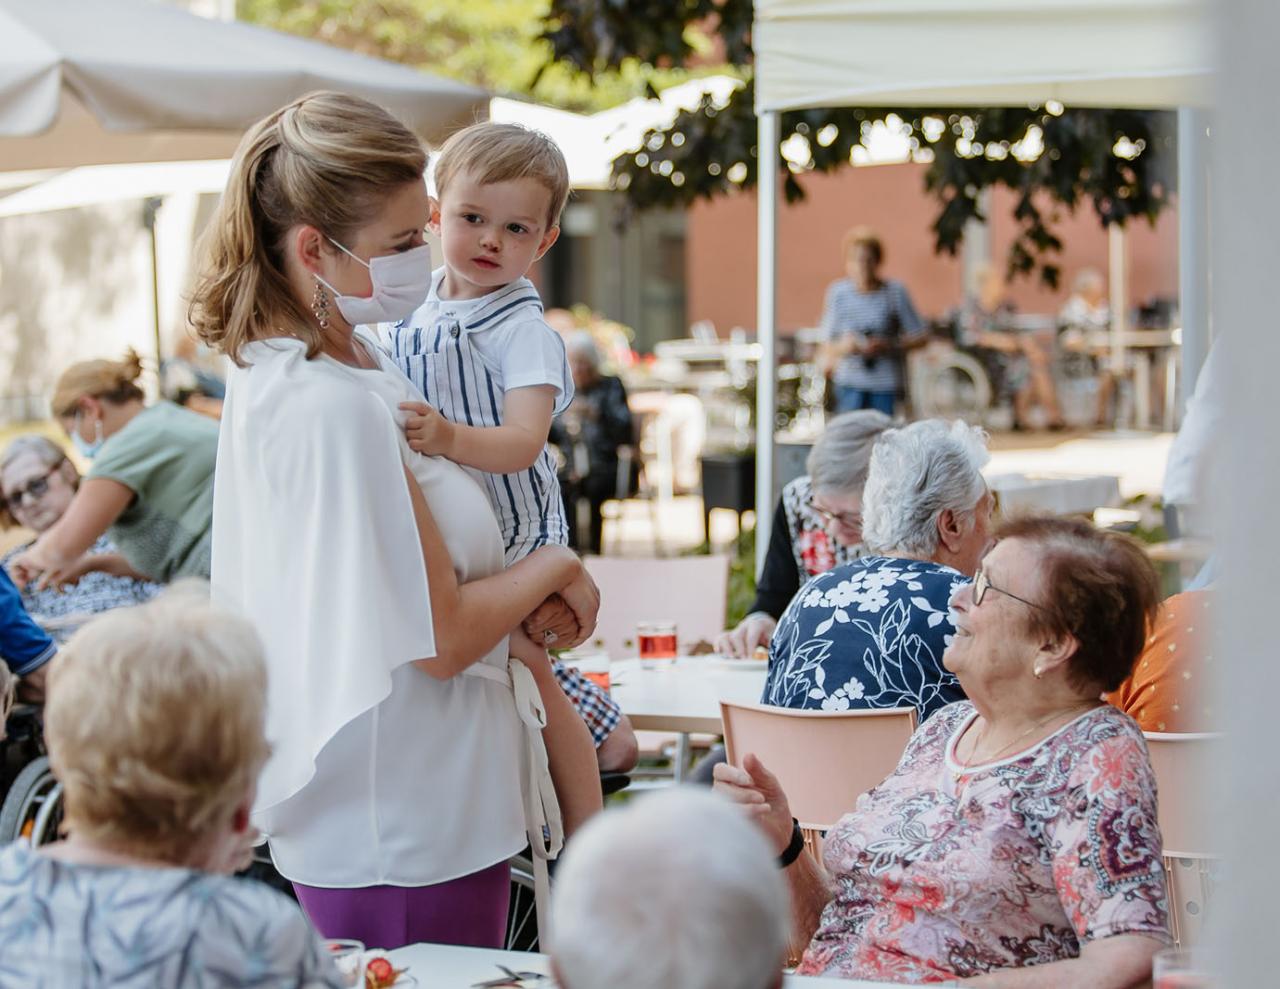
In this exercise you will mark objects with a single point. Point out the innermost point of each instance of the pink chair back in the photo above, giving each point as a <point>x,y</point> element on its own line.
<point>1184,764</point>
<point>824,760</point>
<point>691,591</point>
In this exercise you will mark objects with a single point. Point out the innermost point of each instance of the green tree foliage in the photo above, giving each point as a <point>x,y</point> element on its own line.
<point>1054,159</point>
<point>495,44</point>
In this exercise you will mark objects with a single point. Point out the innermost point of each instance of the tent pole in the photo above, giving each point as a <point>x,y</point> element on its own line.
<point>1193,246</point>
<point>150,207</point>
<point>766,323</point>
<point>1119,281</point>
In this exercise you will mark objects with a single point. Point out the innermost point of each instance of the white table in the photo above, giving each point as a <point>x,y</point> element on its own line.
<point>681,696</point>
<point>446,966</point>
<point>1057,494</point>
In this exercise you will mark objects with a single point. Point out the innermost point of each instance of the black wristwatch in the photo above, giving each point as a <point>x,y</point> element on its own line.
<point>793,850</point>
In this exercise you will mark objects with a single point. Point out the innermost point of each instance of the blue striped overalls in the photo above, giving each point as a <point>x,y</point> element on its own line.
<point>434,350</point>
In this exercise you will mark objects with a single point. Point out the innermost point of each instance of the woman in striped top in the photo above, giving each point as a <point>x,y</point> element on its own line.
<point>870,324</point>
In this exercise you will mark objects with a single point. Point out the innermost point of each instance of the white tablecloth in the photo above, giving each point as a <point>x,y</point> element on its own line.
<point>685,695</point>
<point>1055,494</point>
<point>443,966</point>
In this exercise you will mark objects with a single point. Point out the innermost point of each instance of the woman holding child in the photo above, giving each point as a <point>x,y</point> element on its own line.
<point>392,798</point>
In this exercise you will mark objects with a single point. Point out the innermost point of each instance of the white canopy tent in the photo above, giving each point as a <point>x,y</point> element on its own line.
<point>90,82</point>
<point>812,53</point>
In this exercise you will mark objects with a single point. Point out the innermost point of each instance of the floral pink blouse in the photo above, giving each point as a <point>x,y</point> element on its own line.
<point>943,873</point>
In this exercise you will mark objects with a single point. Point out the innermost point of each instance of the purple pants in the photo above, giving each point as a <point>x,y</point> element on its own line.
<point>469,911</point>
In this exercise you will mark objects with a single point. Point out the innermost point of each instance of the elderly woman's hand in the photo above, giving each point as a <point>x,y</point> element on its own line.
<point>760,794</point>
<point>754,631</point>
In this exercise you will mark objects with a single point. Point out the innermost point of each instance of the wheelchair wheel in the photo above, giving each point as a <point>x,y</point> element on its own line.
<point>522,913</point>
<point>32,808</point>
<point>955,386</point>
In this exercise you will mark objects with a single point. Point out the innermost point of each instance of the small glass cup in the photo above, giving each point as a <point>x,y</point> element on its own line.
<point>1186,968</point>
<point>348,958</point>
<point>657,643</point>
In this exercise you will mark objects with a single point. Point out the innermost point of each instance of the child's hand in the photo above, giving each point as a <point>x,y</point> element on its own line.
<point>428,431</point>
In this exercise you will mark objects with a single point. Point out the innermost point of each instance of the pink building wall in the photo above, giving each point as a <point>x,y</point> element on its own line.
<point>721,249</point>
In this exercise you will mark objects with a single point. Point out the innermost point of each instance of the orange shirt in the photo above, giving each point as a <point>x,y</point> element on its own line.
<point>1169,689</point>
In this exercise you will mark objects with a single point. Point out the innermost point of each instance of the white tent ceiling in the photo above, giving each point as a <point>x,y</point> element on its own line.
<point>1130,53</point>
<point>86,82</point>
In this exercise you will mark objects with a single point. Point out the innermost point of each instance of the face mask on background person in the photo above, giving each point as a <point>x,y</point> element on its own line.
<point>83,447</point>
<point>400,285</point>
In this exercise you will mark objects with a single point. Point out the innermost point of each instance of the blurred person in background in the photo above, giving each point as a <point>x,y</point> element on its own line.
<point>1086,314</point>
<point>1020,364</point>
<point>149,486</point>
<point>869,324</point>
<point>589,434</point>
<point>817,525</point>
<point>37,484</point>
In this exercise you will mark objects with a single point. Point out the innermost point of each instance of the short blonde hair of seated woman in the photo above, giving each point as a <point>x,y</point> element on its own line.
<point>155,723</point>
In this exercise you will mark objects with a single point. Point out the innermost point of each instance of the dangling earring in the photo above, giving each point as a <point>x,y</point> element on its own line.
<point>320,305</point>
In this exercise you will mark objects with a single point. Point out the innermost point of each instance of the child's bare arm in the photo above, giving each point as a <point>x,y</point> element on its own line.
<point>513,446</point>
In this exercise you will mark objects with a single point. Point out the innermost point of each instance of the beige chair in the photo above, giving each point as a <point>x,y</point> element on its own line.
<point>1184,764</point>
<point>691,591</point>
<point>824,760</point>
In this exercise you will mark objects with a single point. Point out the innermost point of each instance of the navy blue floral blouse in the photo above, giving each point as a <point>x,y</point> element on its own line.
<point>867,634</point>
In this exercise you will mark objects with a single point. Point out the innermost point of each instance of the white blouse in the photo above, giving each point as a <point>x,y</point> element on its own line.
<point>380,773</point>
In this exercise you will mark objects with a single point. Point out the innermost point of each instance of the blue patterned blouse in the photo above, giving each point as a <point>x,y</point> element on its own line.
<point>867,634</point>
<point>64,924</point>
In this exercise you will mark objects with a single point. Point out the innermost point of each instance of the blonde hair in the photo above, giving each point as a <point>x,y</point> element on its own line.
<point>327,160</point>
<point>156,722</point>
<point>863,237</point>
<point>111,381</point>
<point>492,153</point>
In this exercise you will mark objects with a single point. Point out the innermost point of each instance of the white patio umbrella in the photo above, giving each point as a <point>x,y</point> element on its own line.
<point>88,82</point>
<point>810,53</point>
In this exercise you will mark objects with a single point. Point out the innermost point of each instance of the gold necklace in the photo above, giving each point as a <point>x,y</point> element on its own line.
<point>971,762</point>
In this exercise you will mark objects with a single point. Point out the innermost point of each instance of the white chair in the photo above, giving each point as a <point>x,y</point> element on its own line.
<point>1184,763</point>
<point>691,591</point>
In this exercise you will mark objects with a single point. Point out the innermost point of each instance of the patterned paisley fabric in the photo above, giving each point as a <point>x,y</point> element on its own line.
<point>942,872</point>
<point>869,634</point>
<point>64,925</point>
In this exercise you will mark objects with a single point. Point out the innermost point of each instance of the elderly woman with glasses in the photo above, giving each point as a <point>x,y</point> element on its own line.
<point>817,525</point>
<point>870,633</point>
<point>150,487</point>
<point>37,485</point>
<point>1016,842</point>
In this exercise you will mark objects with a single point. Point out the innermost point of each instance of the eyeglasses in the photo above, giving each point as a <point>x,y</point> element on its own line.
<point>35,489</point>
<point>981,585</point>
<point>852,519</point>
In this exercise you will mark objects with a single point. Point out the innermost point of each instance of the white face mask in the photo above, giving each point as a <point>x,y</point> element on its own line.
<point>400,285</point>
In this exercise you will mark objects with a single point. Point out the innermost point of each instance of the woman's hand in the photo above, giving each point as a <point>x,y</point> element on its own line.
<point>32,564</point>
<point>760,794</point>
<point>754,631</point>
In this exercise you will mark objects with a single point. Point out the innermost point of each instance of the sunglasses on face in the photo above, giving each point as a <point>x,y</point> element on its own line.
<point>981,585</point>
<point>35,489</point>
